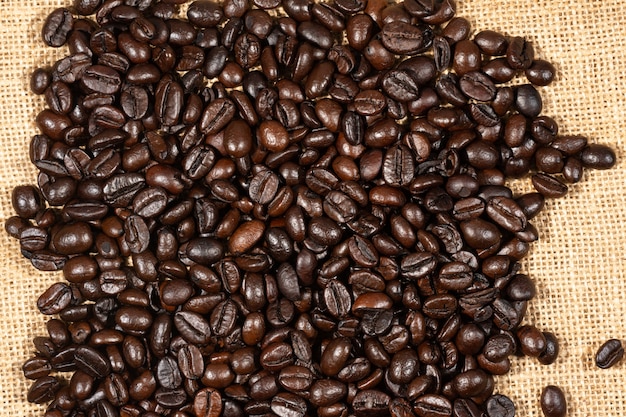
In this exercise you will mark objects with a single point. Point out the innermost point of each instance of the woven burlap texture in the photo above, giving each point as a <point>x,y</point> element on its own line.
<point>578,264</point>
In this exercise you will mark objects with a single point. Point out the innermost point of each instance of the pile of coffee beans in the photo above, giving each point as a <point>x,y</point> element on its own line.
<point>297,208</point>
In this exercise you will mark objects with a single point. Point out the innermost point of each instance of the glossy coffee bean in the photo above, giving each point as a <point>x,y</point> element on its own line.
<point>609,354</point>
<point>553,403</point>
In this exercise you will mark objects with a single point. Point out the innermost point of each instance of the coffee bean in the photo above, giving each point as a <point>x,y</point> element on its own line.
<point>528,101</point>
<point>288,405</point>
<point>609,354</point>
<point>491,42</point>
<point>553,402</point>
<point>192,327</point>
<point>432,405</point>
<point>335,356</point>
<point>92,362</point>
<point>325,392</point>
<point>208,403</point>
<point>549,186</point>
<point>499,405</point>
<point>597,157</point>
<point>400,85</point>
<point>398,166</point>
<point>520,53</point>
<point>369,102</point>
<point>56,28</point>
<point>276,356</point>
<point>55,299</point>
<point>551,352</point>
<point>370,403</point>
<point>403,38</point>
<point>43,389</point>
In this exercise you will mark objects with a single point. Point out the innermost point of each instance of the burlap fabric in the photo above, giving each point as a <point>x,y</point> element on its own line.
<point>578,264</point>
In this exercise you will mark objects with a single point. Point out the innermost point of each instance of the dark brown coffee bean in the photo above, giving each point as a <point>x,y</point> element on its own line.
<point>540,72</point>
<point>432,405</point>
<point>398,166</point>
<point>36,367</point>
<point>506,213</point>
<point>551,352</point>
<point>276,356</point>
<point>56,298</point>
<point>369,102</point>
<point>480,234</point>
<point>192,327</point>
<point>263,187</point>
<point>208,403</point>
<point>168,101</point>
<point>499,405</point>
<point>491,43</point>
<point>520,53</point>
<point>400,85</point>
<point>549,186</point>
<point>371,403</point>
<point>598,157</point>
<point>477,86</point>
<point>403,38</point>
<point>205,13</point>
<point>57,27</point>
<point>288,405</point>
<point>217,114</point>
<point>553,403</point>
<point>609,354</point>
<point>40,79</point>
<point>92,362</point>
<point>43,390</point>
<point>466,57</point>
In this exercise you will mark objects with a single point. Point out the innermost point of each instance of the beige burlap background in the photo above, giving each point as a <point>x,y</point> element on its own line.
<point>578,264</point>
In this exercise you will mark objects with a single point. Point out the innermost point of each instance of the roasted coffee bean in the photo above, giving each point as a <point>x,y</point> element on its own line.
<point>369,102</point>
<point>432,405</point>
<point>532,341</point>
<point>553,403</point>
<point>335,356</point>
<point>325,392</point>
<point>192,327</point>
<point>597,157</point>
<point>55,299</point>
<point>609,354</point>
<point>208,403</point>
<point>92,362</point>
<point>499,405</point>
<point>337,299</point>
<point>288,405</point>
<point>466,57</point>
<point>370,403</point>
<point>540,72</point>
<point>520,53</point>
<point>43,389</point>
<point>528,101</point>
<point>57,27</point>
<point>36,367</point>
<point>40,79</point>
<point>549,186</point>
<point>403,38</point>
<point>551,352</point>
<point>276,356</point>
<point>398,166</point>
<point>491,42</point>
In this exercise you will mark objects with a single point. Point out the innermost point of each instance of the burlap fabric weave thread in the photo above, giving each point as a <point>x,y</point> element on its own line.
<point>578,264</point>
